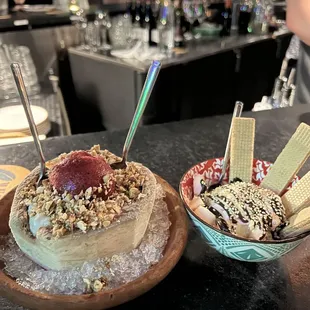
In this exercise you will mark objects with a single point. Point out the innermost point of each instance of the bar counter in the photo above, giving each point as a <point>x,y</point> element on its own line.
<point>195,50</point>
<point>203,279</point>
<point>205,81</point>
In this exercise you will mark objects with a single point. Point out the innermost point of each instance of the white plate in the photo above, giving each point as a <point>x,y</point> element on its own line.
<point>10,141</point>
<point>14,118</point>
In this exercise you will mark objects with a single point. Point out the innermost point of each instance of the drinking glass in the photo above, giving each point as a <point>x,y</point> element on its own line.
<point>90,35</point>
<point>190,15</point>
<point>82,26</point>
<point>21,54</point>
<point>104,24</point>
<point>7,89</point>
<point>119,34</point>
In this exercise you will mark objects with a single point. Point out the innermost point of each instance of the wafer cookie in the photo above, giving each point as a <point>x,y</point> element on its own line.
<point>298,224</point>
<point>298,197</point>
<point>289,162</point>
<point>242,149</point>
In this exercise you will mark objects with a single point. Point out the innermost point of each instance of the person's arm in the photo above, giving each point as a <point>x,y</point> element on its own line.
<point>298,18</point>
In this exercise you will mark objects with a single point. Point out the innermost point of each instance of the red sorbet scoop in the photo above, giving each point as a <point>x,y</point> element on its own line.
<point>79,171</point>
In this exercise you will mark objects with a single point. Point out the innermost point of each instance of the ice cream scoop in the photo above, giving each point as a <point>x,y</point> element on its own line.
<point>243,209</point>
<point>81,170</point>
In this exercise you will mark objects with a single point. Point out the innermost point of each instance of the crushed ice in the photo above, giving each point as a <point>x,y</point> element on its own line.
<point>116,270</point>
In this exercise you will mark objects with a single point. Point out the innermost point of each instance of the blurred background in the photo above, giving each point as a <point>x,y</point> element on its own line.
<point>85,61</point>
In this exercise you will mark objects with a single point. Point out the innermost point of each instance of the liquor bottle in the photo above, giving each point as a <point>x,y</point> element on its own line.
<point>178,24</point>
<point>245,16</point>
<point>154,13</point>
<point>276,93</point>
<point>278,85</point>
<point>142,13</point>
<point>292,96</point>
<point>286,89</point>
<point>136,28</point>
<point>133,11</point>
<point>258,19</point>
<point>138,12</point>
<point>146,24</point>
<point>235,17</point>
<point>166,28</point>
<point>227,16</point>
<point>156,4</point>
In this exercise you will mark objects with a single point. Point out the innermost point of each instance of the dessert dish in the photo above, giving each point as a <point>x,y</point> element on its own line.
<point>265,211</point>
<point>84,210</point>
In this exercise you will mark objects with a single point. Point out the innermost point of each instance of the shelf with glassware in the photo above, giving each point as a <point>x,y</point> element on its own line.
<point>161,28</point>
<point>45,96</point>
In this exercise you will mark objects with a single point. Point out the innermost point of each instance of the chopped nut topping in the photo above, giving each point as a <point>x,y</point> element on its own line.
<point>81,225</point>
<point>86,211</point>
<point>94,286</point>
<point>88,193</point>
<point>97,286</point>
<point>88,288</point>
<point>133,193</point>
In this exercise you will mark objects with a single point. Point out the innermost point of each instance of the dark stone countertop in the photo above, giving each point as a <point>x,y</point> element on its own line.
<point>203,279</point>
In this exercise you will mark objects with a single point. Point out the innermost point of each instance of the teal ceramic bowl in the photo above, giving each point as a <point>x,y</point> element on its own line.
<point>227,244</point>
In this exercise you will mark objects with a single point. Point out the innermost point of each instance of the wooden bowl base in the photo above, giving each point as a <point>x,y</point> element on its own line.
<point>105,299</point>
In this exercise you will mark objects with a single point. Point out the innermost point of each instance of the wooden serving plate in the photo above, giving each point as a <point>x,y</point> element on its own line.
<point>10,177</point>
<point>110,298</point>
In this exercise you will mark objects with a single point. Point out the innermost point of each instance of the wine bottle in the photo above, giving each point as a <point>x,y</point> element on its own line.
<point>142,13</point>
<point>133,11</point>
<point>292,95</point>
<point>146,25</point>
<point>245,16</point>
<point>258,18</point>
<point>227,16</point>
<point>286,89</point>
<point>154,12</point>
<point>178,21</point>
<point>136,28</point>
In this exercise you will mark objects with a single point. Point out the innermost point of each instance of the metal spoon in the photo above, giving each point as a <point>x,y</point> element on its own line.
<point>26,104</point>
<point>237,113</point>
<point>144,98</point>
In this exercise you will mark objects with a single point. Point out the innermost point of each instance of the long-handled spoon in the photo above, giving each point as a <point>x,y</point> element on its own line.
<point>237,113</point>
<point>26,104</point>
<point>144,98</point>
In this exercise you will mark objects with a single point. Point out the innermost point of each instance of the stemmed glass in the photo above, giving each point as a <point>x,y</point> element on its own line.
<point>199,13</point>
<point>82,29</point>
<point>190,15</point>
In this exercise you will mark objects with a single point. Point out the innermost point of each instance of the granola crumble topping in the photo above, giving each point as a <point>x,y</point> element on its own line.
<point>85,211</point>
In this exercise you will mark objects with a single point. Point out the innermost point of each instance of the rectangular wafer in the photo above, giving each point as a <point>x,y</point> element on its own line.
<point>298,224</point>
<point>242,149</point>
<point>298,197</point>
<point>289,162</point>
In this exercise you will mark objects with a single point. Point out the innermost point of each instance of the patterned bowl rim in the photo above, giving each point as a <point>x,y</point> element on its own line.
<point>288,240</point>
